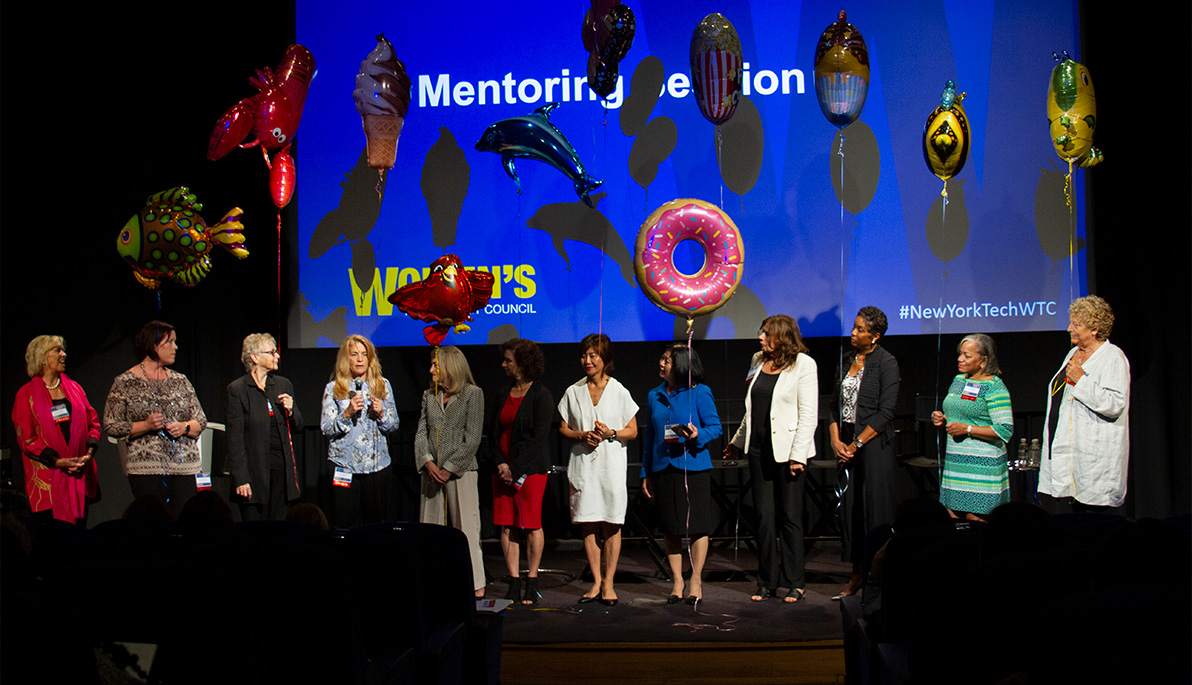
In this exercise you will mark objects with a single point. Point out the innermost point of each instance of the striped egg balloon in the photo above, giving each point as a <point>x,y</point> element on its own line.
<point>841,72</point>
<point>717,65</point>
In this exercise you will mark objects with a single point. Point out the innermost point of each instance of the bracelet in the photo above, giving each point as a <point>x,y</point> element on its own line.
<point>970,430</point>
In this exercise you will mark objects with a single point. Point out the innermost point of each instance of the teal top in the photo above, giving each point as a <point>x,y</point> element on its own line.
<point>976,478</point>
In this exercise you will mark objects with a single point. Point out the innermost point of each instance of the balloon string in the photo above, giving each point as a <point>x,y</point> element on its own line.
<point>438,464</point>
<point>720,162</point>
<point>1071,233</point>
<point>380,187</point>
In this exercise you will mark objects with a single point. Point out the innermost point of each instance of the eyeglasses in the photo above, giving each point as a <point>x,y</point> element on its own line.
<point>273,351</point>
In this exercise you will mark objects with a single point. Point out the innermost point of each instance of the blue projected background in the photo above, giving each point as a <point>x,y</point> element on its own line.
<point>564,272</point>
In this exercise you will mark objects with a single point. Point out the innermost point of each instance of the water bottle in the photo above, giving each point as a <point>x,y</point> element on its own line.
<point>1035,453</point>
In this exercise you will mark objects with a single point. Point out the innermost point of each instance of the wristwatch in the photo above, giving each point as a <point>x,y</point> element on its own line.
<point>860,443</point>
<point>613,437</point>
<point>970,430</point>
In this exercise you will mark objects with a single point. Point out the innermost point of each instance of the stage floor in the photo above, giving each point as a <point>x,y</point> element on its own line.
<point>642,613</point>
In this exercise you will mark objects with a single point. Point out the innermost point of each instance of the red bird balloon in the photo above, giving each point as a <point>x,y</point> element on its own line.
<point>445,298</point>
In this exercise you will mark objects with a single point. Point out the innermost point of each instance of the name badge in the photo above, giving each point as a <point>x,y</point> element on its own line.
<point>670,435</point>
<point>59,413</point>
<point>342,478</point>
<point>517,484</point>
<point>270,405</point>
<point>202,481</point>
<point>752,372</point>
<point>971,391</point>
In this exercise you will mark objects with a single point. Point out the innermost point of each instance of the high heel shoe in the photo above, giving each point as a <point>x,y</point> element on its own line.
<point>531,596</point>
<point>514,592</point>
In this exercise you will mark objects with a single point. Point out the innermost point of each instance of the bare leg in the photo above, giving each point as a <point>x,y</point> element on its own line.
<point>612,553</point>
<point>674,559</point>
<point>511,547</point>
<point>592,550</point>
<point>535,540</point>
<point>699,553</point>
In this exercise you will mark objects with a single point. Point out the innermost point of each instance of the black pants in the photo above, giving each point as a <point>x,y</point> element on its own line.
<point>175,490</point>
<point>366,501</point>
<point>778,499</point>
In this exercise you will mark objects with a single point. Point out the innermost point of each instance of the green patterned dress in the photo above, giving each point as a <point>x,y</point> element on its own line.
<point>976,478</point>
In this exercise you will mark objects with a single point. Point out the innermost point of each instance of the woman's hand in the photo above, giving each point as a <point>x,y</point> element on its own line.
<point>796,469</point>
<point>692,431</point>
<point>646,488</point>
<point>505,473</point>
<point>378,407</point>
<point>937,418</point>
<point>731,451</point>
<point>841,450</point>
<point>244,491</point>
<point>1075,369</point>
<point>155,422</point>
<point>355,406</point>
<point>287,403</point>
<point>70,466</point>
<point>177,429</point>
<point>957,429</point>
<point>440,476</point>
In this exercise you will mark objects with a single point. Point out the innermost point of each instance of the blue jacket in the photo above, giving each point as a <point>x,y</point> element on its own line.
<point>693,406</point>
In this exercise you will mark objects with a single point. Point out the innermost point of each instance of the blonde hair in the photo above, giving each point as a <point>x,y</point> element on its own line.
<point>251,346</point>
<point>343,373</point>
<point>35,353</point>
<point>454,369</point>
<point>1095,313</point>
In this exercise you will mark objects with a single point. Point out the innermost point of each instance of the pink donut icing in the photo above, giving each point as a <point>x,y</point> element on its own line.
<point>668,287</point>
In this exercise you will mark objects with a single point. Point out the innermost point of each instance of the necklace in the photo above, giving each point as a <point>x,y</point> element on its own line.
<point>164,373</point>
<point>57,382</point>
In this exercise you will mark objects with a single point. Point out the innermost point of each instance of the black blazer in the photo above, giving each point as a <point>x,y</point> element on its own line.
<point>249,424</point>
<point>878,394</point>
<point>529,446</point>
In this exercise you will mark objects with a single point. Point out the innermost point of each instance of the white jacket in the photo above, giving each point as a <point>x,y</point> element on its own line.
<point>1089,455</point>
<point>794,411</point>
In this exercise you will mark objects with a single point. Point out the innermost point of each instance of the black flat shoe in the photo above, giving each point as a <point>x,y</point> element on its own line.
<point>608,602</point>
<point>514,592</point>
<point>674,599</point>
<point>584,599</point>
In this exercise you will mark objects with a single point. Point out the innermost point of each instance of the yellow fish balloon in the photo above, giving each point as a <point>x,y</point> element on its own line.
<point>1072,113</point>
<point>168,239</point>
<point>946,136</point>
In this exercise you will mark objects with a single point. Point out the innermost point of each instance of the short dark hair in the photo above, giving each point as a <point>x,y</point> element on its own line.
<point>986,349</point>
<point>685,363</point>
<point>528,357</point>
<point>875,319</point>
<point>149,337</point>
<point>603,347</point>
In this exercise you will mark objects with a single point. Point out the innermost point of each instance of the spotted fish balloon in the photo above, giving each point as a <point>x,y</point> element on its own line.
<point>1072,113</point>
<point>946,136</point>
<point>168,239</point>
<point>841,72</point>
<point>717,65</point>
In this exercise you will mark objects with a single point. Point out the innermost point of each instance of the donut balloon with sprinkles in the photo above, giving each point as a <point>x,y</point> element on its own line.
<point>689,295</point>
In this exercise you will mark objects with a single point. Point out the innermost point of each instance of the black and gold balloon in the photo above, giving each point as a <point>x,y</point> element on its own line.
<point>946,136</point>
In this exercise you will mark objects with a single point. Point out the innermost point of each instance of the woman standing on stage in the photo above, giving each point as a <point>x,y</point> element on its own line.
<point>358,413</point>
<point>676,464</point>
<point>449,431</point>
<point>862,435</point>
<point>782,403</point>
<point>979,421</point>
<point>519,433</point>
<point>262,418</point>
<point>57,433</point>
<point>599,417</point>
<point>155,411</point>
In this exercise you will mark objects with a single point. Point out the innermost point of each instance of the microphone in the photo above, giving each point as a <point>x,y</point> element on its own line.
<point>352,395</point>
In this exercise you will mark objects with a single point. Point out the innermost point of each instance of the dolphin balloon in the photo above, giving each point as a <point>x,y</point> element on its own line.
<point>534,137</point>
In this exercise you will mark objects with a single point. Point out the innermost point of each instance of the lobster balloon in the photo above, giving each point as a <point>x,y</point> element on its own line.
<point>271,116</point>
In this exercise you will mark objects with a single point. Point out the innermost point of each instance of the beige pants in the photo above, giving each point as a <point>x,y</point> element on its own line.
<point>456,502</point>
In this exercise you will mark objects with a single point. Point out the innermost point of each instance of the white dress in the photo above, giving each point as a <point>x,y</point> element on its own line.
<point>598,475</point>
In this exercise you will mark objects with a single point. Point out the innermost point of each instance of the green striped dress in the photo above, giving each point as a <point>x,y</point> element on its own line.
<point>976,479</point>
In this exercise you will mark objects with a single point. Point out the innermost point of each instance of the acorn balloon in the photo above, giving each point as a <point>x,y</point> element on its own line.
<point>1072,113</point>
<point>946,136</point>
<point>717,65</point>
<point>841,72</point>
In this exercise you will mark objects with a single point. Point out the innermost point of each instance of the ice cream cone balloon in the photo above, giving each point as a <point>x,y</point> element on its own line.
<point>382,97</point>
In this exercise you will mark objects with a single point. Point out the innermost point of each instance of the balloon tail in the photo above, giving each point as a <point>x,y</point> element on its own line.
<point>279,259</point>
<point>380,185</point>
